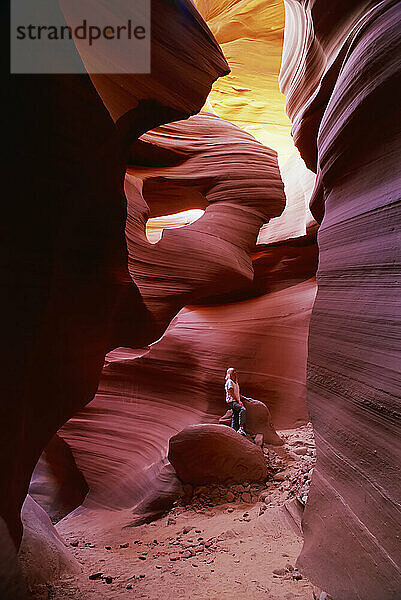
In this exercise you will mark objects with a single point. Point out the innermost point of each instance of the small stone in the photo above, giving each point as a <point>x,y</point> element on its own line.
<point>187,529</point>
<point>259,439</point>
<point>246,497</point>
<point>296,575</point>
<point>230,497</point>
<point>198,531</point>
<point>128,586</point>
<point>108,547</point>
<point>74,543</point>
<point>95,576</point>
<point>187,554</point>
<point>279,571</point>
<point>158,566</point>
<point>289,567</point>
<point>142,576</point>
<point>108,579</point>
<point>279,477</point>
<point>142,557</point>
<point>301,450</point>
<point>174,557</point>
<point>171,521</point>
<point>230,510</point>
<point>124,545</point>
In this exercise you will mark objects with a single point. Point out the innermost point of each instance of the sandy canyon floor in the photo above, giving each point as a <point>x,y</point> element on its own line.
<point>215,547</point>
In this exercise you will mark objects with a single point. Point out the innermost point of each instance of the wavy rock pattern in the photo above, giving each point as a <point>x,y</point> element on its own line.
<point>341,75</point>
<point>194,61</point>
<point>250,33</point>
<point>120,439</point>
<point>68,277</point>
<point>212,255</point>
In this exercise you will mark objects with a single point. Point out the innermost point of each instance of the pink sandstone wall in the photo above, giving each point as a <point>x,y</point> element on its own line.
<point>341,77</point>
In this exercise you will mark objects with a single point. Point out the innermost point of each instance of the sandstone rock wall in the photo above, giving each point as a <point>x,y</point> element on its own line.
<point>250,33</point>
<point>57,485</point>
<point>212,255</point>
<point>120,439</point>
<point>64,245</point>
<point>256,303</point>
<point>341,76</point>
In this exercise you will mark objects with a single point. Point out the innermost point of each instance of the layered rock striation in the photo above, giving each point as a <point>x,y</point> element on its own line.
<point>249,305</point>
<point>341,76</point>
<point>211,256</point>
<point>120,439</point>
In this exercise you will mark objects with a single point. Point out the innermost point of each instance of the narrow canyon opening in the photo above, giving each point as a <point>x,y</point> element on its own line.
<point>227,279</point>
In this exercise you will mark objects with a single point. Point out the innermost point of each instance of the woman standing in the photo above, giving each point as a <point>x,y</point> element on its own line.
<point>233,400</point>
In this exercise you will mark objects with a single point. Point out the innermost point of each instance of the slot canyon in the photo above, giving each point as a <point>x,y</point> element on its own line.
<point>238,206</point>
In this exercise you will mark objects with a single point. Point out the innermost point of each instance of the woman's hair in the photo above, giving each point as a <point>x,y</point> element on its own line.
<point>231,374</point>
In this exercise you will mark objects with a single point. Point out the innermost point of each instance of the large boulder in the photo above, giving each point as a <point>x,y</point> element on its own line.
<point>258,420</point>
<point>215,453</point>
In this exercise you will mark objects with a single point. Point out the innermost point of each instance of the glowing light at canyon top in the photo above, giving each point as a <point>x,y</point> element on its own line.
<point>250,34</point>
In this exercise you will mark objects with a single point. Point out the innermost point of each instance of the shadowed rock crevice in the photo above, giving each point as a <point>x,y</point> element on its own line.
<point>67,268</point>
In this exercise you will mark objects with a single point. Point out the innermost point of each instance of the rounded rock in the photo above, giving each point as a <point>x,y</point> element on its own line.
<point>215,453</point>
